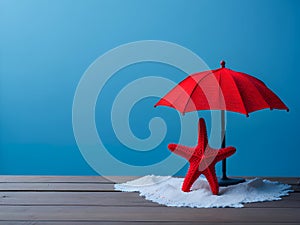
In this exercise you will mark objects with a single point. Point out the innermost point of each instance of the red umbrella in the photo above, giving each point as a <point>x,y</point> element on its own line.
<point>221,89</point>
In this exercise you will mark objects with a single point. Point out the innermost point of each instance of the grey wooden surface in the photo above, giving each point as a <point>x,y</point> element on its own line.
<point>92,200</point>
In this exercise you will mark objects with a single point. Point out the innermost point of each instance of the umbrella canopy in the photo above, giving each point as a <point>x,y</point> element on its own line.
<point>221,89</point>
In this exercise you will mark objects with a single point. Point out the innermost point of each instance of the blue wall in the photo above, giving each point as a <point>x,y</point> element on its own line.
<point>46,46</point>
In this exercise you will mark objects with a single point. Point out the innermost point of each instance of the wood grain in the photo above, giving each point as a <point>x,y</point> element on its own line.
<point>53,222</point>
<point>109,179</point>
<point>111,199</point>
<point>132,213</point>
<point>91,200</point>
<point>56,187</point>
<point>65,179</point>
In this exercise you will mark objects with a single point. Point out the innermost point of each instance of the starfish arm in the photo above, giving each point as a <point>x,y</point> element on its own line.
<point>191,176</point>
<point>210,174</point>
<point>224,153</point>
<point>181,150</point>
<point>202,136</point>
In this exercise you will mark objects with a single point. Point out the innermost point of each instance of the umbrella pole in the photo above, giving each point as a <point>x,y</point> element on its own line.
<point>225,181</point>
<point>223,134</point>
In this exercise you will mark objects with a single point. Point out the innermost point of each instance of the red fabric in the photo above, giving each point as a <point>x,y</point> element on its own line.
<point>221,89</point>
<point>202,159</point>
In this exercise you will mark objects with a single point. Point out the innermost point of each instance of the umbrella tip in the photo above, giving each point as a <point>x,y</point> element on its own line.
<point>222,63</point>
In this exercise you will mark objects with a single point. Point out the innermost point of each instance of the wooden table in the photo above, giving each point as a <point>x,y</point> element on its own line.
<point>92,200</point>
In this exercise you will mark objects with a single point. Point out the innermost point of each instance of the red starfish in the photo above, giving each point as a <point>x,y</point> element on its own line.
<point>202,159</point>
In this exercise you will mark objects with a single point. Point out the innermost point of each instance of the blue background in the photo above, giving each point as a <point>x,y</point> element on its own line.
<point>47,45</point>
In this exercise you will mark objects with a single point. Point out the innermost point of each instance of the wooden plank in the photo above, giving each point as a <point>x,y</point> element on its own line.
<point>296,188</point>
<point>79,187</point>
<point>143,214</point>
<point>66,179</point>
<point>112,199</point>
<point>74,198</point>
<point>92,200</point>
<point>127,223</point>
<point>109,179</point>
<point>56,187</point>
<point>291,201</point>
<point>59,185</point>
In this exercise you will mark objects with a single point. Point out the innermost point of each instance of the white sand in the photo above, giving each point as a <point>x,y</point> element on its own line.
<point>166,190</point>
